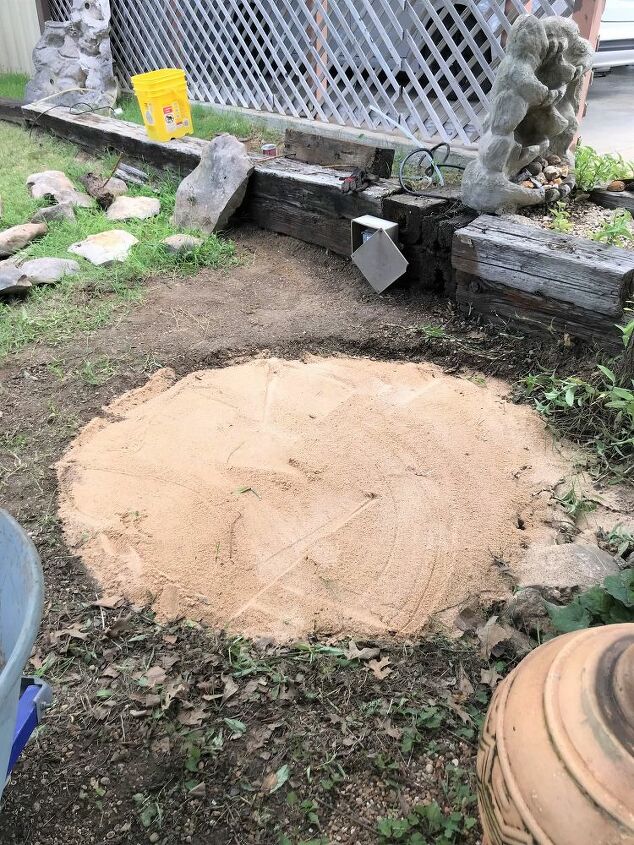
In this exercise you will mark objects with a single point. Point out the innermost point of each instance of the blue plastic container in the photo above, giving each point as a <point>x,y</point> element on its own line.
<point>21,599</point>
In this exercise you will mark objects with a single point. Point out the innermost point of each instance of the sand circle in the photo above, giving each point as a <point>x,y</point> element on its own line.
<point>284,497</point>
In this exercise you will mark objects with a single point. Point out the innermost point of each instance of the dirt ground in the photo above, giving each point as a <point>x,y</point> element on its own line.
<point>173,733</point>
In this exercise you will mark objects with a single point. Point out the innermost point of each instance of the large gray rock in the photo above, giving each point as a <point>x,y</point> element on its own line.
<point>116,187</point>
<point>211,195</point>
<point>76,54</point>
<point>17,237</point>
<point>533,112</point>
<point>55,184</point>
<point>564,567</point>
<point>47,271</point>
<point>134,208</point>
<point>106,247</point>
<point>181,243</point>
<point>12,280</point>
<point>64,211</point>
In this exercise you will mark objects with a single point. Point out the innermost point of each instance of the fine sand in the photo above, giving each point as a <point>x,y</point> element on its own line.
<point>277,498</point>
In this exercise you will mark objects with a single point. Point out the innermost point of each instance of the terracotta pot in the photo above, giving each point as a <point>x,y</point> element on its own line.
<point>556,759</point>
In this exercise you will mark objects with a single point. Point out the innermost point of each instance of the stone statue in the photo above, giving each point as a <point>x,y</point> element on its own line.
<point>524,157</point>
<point>76,54</point>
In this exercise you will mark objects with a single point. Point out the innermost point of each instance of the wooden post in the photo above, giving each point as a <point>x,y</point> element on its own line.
<point>43,12</point>
<point>587,15</point>
<point>319,34</point>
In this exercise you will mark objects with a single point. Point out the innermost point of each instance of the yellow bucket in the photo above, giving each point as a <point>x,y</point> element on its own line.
<point>162,96</point>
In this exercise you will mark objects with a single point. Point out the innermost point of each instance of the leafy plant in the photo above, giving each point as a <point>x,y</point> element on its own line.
<point>560,221</point>
<point>619,540</point>
<point>597,412</point>
<point>425,824</point>
<point>611,602</point>
<point>617,231</point>
<point>575,505</point>
<point>593,170</point>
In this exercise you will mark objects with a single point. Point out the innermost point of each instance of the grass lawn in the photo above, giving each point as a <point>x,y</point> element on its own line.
<point>52,314</point>
<point>207,121</point>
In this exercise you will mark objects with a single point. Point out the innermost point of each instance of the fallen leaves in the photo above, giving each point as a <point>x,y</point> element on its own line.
<point>230,688</point>
<point>490,677</point>
<point>355,653</point>
<point>275,780</point>
<point>380,668</point>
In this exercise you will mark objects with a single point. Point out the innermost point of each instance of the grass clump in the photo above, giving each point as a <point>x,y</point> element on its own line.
<point>593,170</point>
<point>617,231</point>
<point>13,85</point>
<point>86,301</point>
<point>597,412</point>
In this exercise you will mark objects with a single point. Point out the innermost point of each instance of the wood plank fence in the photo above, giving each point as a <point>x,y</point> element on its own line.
<point>428,65</point>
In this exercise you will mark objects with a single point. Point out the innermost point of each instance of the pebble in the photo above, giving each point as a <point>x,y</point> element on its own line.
<point>181,243</point>
<point>616,187</point>
<point>134,208</point>
<point>551,173</point>
<point>58,213</point>
<point>154,837</point>
<point>553,159</point>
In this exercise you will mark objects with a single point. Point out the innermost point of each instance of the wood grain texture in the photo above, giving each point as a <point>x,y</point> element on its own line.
<point>329,152</point>
<point>306,202</point>
<point>546,265</point>
<point>612,199</point>
<point>11,111</point>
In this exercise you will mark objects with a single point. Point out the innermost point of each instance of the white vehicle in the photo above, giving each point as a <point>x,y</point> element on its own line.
<point>616,45</point>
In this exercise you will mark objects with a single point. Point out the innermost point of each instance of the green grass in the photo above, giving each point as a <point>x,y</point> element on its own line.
<point>208,122</point>
<point>12,85</point>
<point>86,301</point>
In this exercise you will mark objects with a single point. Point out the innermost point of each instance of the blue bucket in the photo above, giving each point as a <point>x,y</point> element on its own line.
<point>21,600</point>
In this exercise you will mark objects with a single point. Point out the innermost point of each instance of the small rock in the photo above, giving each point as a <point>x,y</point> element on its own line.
<point>47,271</point>
<point>551,173</point>
<point>58,213</point>
<point>522,176</point>
<point>616,187</point>
<point>552,194</point>
<point>565,189</point>
<point>541,178</point>
<point>527,184</point>
<point>116,187</point>
<point>12,279</point>
<point>17,237</point>
<point>554,160</point>
<point>134,208</point>
<point>526,607</point>
<point>534,168</point>
<point>564,567</point>
<point>56,184</point>
<point>215,190</point>
<point>182,243</point>
<point>106,247</point>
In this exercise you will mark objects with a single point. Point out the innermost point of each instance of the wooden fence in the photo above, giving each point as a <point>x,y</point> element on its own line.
<point>427,65</point>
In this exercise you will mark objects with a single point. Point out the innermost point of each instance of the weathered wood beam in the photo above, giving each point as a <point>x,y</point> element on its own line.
<point>542,279</point>
<point>330,152</point>
<point>11,110</point>
<point>613,199</point>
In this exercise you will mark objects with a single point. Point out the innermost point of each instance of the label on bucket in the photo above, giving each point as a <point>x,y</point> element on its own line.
<point>170,120</point>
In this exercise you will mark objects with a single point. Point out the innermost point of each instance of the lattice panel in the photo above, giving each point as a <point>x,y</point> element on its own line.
<point>60,9</point>
<point>427,64</point>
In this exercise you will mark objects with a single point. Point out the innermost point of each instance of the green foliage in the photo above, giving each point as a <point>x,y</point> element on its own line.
<point>208,122</point>
<point>426,824</point>
<point>560,221</point>
<point>619,540</point>
<point>617,231</point>
<point>597,413</point>
<point>12,85</point>
<point>611,602</point>
<point>575,505</point>
<point>54,313</point>
<point>593,170</point>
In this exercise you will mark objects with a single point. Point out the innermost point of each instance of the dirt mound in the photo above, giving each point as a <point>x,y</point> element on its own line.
<point>280,497</point>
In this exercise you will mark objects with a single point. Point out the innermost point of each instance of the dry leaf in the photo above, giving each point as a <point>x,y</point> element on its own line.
<point>120,626</point>
<point>230,687</point>
<point>172,690</point>
<point>490,677</point>
<point>74,632</point>
<point>355,653</point>
<point>109,602</point>
<point>491,635</point>
<point>139,714</point>
<point>170,639</point>
<point>198,791</point>
<point>464,684</point>
<point>269,782</point>
<point>152,700</point>
<point>110,672</point>
<point>155,676</point>
<point>192,718</point>
<point>162,745</point>
<point>380,668</point>
<point>391,730</point>
<point>169,660</point>
<point>451,704</point>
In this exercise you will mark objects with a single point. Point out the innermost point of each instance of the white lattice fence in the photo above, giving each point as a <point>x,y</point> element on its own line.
<point>427,64</point>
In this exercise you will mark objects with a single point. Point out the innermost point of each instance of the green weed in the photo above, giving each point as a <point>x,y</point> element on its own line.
<point>593,169</point>
<point>576,505</point>
<point>597,412</point>
<point>98,372</point>
<point>426,824</point>
<point>605,604</point>
<point>13,85</point>
<point>619,540</point>
<point>560,221</point>
<point>617,231</point>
